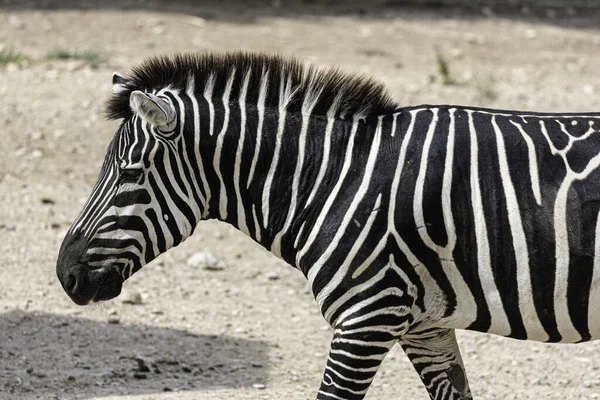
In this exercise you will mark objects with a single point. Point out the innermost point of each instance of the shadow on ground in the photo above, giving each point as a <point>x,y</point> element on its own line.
<point>580,14</point>
<point>63,357</point>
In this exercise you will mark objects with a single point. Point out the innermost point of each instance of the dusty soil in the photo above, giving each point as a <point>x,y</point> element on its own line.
<point>250,330</point>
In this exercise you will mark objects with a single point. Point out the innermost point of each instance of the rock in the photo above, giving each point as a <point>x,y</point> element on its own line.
<point>531,33</point>
<point>205,260</point>
<point>196,21</point>
<point>39,374</point>
<point>142,365</point>
<point>259,386</point>
<point>131,297</point>
<point>113,320</point>
<point>272,276</point>
<point>167,359</point>
<point>146,364</point>
<point>140,375</point>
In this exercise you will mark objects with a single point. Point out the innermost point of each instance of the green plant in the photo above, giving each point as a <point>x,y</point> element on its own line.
<point>92,58</point>
<point>443,67</point>
<point>9,55</point>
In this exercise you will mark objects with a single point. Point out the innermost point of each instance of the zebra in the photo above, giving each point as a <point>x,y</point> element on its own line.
<point>408,222</point>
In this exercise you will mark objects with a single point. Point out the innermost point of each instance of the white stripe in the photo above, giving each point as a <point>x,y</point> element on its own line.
<point>219,147</point>
<point>434,293</point>
<point>179,217</point>
<point>183,163</point>
<point>466,309</point>
<point>297,241</point>
<point>499,320</point>
<point>208,92</point>
<point>561,232</point>
<point>594,299</point>
<point>98,201</point>
<point>531,319</point>
<point>241,214</point>
<point>256,224</point>
<point>326,147</point>
<point>260,108</point>
<point>533,167</point>
<point>190,91</point>
<point>395,118</point>
<point>349,215</point>
<point>285,95</point>
<point>332,195</point>
<point>420,184</point>
<point>310,101</point>
<point>341,273</point>
<point>565,325</point>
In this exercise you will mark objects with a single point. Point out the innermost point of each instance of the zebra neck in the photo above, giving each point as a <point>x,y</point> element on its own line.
<point>269,171</point>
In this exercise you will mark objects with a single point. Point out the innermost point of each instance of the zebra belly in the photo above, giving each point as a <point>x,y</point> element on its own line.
<point>573,328</point>
<point>572,315</point>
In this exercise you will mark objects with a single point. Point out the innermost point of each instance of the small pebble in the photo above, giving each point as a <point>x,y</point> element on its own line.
<point>259,386</point>
<point>205,260</point>
<point>132,297</point>
<point>140,375</point>
<point>113,320</point>
<point>168,359</point>
<point>272,276</point>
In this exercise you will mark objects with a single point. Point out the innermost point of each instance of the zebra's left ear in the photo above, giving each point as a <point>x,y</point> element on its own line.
<point>119,83</point>
<point>153,110</point>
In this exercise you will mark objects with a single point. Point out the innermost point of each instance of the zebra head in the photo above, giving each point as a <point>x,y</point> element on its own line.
<point>129,218</point>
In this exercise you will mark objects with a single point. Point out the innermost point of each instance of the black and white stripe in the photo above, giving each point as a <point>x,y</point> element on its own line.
<point>407,222</point>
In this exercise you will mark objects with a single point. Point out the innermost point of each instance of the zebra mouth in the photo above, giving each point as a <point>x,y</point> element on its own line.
<point>109,287</point>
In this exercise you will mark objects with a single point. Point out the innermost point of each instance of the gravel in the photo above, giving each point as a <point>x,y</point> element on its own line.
<point>195,298</point>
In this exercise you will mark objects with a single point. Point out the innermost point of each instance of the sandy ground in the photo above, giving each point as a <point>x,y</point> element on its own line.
<point>250,330</point>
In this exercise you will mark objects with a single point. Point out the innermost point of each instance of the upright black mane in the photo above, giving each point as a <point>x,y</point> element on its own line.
<point>356,94</point>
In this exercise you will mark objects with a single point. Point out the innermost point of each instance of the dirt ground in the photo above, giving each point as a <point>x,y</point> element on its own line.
<point>250,330</point>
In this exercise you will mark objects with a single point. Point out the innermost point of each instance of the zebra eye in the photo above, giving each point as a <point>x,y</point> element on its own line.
<point>130,175</point>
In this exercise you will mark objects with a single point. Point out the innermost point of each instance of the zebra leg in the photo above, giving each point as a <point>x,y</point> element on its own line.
<point>436,357</point>
<point>354,358</point>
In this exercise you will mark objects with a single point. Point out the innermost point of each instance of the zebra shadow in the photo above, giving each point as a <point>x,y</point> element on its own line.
<point>64,357</point>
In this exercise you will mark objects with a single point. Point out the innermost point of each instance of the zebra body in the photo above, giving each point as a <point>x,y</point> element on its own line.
<point>408,223</point>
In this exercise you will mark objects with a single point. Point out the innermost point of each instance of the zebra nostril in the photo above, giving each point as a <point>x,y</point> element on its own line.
<point>72,284</point>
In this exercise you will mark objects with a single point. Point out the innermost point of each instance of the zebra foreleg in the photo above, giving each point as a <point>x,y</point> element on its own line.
<point>354,358</point>
<point>436,357</point>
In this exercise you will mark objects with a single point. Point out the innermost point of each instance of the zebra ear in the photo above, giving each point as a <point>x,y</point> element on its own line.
<point>119,83</point>
<point>153,110</point>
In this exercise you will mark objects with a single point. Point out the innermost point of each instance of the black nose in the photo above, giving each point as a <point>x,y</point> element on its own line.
<point>70,269</point>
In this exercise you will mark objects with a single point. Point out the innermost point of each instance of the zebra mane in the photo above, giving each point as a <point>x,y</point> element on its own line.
<point>352,94</point>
